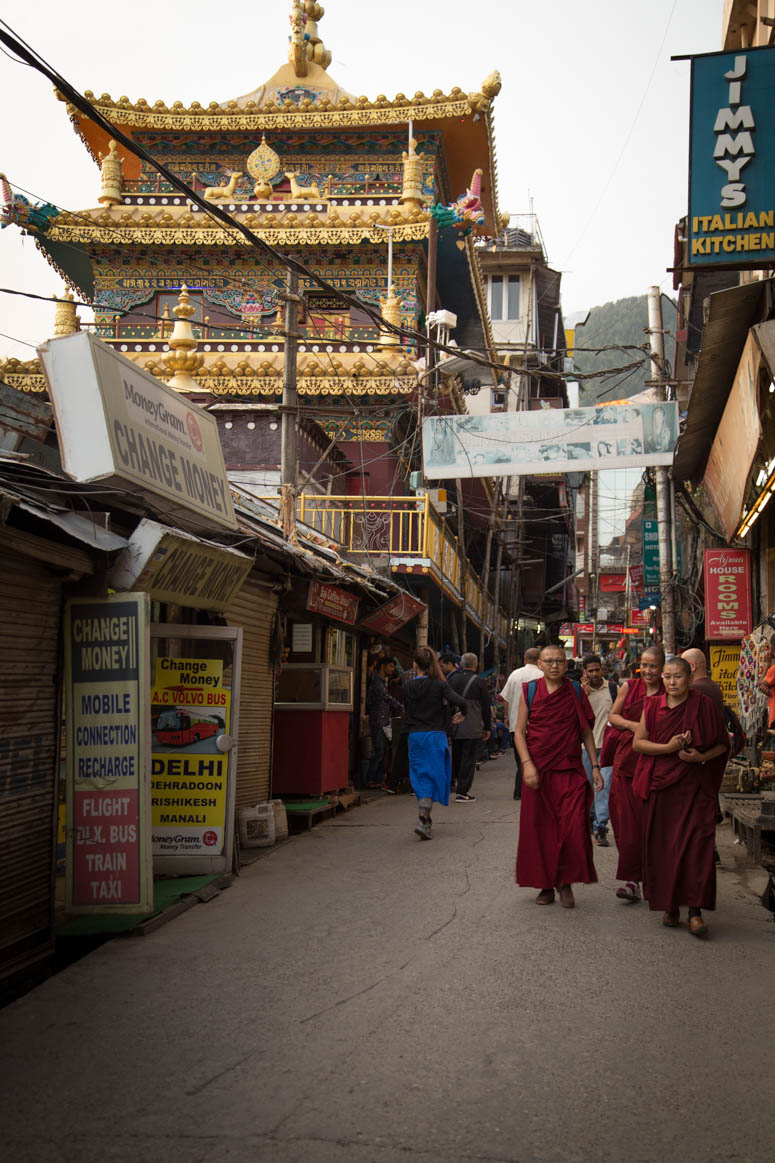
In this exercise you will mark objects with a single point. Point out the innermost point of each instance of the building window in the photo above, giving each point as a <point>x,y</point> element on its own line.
<point>504,297</point>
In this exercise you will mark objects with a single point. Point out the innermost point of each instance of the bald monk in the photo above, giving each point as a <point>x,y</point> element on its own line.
<point>683,744</point>
<point>554,719</point>
<point>701,680</point>
<point>627,808</point>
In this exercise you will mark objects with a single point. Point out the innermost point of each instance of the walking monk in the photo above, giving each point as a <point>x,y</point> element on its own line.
<point>554,719</point>
<point>627,808</point>
<point>683,747</point>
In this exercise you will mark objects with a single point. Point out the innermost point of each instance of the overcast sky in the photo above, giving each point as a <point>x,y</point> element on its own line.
<point>591,123</point>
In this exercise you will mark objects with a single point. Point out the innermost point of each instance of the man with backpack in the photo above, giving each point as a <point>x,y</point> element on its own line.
<point>602,696</point>
<point>467,736</point>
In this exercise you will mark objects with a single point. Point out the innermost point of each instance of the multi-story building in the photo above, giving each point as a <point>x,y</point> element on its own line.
<point>343,184</point>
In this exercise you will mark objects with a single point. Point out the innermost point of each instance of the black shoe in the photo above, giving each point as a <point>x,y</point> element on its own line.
<point>464,799</point>
<point>391,791</point>
<point>600,836</point>
<point>516,797</point>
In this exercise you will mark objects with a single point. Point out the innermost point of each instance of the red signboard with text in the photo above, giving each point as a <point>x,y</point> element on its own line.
<point>727,594</point>
<point>612,583</point>
<point>330,600</point>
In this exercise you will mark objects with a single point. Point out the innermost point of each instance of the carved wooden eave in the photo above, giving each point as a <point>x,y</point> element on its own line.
<point>183,225</point>
<point>259,375</point>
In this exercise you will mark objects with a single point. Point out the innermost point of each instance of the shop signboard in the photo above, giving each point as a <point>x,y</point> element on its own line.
<point>636,576</point>
<point>108,853</point>
<point>393,615</point>
<point>732,159</point>
<point>118,425</point>
<point>612,583</point>
<point>736,442</point>
<point>332,601</point>
<point>551,439</point>
<point>727,594</point>
<point>190,710</point>
<point>650,536</point>
<point>650,598</point>
<point>640,617</point>
<point>173,566</point>
<point>724,665</point>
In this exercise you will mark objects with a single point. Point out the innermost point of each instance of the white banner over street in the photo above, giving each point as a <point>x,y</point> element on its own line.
<point>550,440</point>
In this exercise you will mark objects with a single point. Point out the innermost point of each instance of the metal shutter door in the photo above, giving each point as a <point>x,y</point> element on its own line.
<point>30,610</point>
<point>254,609</point>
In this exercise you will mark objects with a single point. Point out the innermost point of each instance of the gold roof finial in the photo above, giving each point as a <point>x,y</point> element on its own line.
<point>182,360</point>
<point>66,321</point>
<point>305,42</point>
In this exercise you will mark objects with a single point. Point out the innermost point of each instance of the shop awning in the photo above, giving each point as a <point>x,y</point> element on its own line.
<point>73,524</point>
<point>729,316</point>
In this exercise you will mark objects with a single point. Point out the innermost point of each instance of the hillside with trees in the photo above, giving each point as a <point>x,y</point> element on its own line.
<point>623,322</point>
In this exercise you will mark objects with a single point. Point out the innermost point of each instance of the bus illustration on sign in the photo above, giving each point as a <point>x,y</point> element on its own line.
<point>181,727</point>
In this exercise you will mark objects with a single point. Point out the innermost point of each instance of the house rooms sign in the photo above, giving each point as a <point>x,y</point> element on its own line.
<point>121,426</point>
<point>732,159</point>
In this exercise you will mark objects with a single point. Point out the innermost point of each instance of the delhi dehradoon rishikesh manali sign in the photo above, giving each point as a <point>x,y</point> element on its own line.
<point>732,159</point>
<point>550,439</point>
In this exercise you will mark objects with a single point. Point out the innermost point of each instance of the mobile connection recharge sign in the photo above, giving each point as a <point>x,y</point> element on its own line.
<point>120,425</point>
<point>732,159</point>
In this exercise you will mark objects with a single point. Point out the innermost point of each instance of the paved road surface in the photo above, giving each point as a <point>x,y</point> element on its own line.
<point>361,996</point>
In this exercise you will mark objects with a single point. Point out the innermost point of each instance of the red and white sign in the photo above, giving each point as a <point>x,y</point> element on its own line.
<point>636,576</point>
<point>612,583</point>
<point>394,614</point>
<point>585,627</point>
<point>640,617</point>
<point>325,599</point>
<point>727,594</point>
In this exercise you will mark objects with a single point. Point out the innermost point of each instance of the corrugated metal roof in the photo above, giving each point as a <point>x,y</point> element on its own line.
<point>729,316</point>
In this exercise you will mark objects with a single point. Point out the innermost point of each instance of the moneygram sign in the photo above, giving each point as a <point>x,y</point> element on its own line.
<point>119,425</point>
<point>732,159</point>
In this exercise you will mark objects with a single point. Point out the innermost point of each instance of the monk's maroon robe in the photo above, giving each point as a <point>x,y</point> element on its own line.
<point>627,808</point>
<point>554,844</point>
<point>680,803</point>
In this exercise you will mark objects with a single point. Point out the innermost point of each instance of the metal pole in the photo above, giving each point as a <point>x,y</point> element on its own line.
<point>656,337</point>
<point>289,410</point>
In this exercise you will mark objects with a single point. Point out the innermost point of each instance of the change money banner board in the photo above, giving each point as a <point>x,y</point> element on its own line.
<point>190,708</point>
<point>108,857</point>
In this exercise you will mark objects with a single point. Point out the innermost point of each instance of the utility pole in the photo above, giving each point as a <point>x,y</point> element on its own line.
<point>289,411</point>
<point>664,524</point>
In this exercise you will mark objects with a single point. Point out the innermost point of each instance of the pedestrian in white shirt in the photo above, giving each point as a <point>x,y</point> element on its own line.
<point>511,694</point>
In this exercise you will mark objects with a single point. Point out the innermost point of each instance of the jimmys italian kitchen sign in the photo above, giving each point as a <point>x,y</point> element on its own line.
<point>732,159</point>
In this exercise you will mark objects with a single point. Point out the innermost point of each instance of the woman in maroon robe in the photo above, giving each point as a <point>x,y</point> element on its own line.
<point>554,847</point>
<point>683,746</point>
<point>627,808</point>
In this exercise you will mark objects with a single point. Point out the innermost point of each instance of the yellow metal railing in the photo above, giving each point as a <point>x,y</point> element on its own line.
<point>400,527</point>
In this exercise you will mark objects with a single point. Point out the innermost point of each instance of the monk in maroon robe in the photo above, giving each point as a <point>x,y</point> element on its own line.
<point>683,746</point>
<point>554,846</point>
<point>627,808</point>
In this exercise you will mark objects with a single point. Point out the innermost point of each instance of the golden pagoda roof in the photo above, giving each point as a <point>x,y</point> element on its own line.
<point>465,120</point>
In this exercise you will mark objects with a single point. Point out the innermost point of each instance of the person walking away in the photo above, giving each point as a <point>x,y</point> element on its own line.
<point>554,847</point>
<point>378,707</point>
<point>427,698</point>
<point>511,695</point>
<point>701,680</point>
<point>602,694</point>
<point>627,808</point>
<point>683,745</point>
<point>467,736</point>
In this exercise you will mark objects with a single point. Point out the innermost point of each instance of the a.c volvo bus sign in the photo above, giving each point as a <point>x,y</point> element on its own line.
<point>732,159</point>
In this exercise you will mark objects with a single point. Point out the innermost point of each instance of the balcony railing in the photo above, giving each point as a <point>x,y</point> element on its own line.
<point>409,531</point>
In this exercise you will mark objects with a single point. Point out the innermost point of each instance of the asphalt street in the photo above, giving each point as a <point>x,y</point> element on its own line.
<point>360,995</point>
